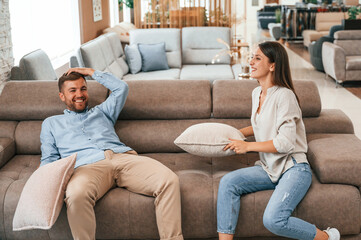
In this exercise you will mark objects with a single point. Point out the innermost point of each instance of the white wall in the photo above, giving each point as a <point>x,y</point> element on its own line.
<point>6,53</point>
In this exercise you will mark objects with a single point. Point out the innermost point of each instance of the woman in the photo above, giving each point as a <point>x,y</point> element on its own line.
<point>281,142</point>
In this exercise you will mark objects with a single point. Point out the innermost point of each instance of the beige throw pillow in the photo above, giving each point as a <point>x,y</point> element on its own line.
<point>208,139</point>
<point>43,195</point>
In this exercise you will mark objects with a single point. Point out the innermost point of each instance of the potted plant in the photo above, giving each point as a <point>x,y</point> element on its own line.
<point>352,23</point>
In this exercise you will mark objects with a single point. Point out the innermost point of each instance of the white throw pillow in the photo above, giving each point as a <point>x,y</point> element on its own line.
<point>42,198</point>
<point>208,139</point>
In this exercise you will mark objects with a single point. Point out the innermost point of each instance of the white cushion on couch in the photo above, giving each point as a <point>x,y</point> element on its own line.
<point>208,139</point>
<point>207,72</point>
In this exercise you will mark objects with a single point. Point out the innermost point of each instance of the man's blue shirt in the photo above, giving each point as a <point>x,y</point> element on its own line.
<point>88,133</point>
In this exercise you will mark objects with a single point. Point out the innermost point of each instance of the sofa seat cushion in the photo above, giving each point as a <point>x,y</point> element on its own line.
<point>353,63</point>
<point>198,202</point>
<point>199,208</point>
<point>341,164</point>
<point>206,72</point>
<point>172,73</point>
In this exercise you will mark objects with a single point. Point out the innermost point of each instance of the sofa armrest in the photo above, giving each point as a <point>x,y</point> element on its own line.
<point>7,150</point>
<point>73,63</point>
<point>329,121</point>
<point>334,61</point>
<point>315,47</point>
<point>17,73</point>
<point>335,158</point>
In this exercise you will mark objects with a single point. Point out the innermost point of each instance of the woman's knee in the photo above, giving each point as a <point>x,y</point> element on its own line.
<point>274,223</point>
<point>227,184</point>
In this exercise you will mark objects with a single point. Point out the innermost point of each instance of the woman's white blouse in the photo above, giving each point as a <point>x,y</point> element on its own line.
<point>280,120</point>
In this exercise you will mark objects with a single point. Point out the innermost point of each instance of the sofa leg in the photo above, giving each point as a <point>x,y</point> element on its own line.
<point>339,83</point>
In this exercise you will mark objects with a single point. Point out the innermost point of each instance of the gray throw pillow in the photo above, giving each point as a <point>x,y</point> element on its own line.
<point>134,59</point>
<point>154,57</point>
<point>208,139</point>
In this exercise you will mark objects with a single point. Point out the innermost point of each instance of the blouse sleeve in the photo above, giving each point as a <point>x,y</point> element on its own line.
<point>288,113</point>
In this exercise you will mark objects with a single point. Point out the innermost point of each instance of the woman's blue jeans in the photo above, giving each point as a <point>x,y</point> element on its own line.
<point>288,192</point>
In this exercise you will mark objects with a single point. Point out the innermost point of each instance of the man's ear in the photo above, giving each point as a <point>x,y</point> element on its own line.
<point>62,97</point>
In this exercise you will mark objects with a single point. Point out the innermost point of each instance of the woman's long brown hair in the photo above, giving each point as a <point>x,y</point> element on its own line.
<point>277,54</point>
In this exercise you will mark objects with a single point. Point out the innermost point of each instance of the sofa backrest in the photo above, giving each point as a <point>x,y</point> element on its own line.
<point>25,104</point>
<point>350,41</point>
<point>105,53</point>
<point>155,114</point>
<point>37,100</point>
<point>29,67</point>
<point>171,37</point>
<point>168,99</point>
<point>325,20</point>
<point>233,98</point>
<point>200,45</point>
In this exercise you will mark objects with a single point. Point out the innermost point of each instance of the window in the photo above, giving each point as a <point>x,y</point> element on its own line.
<point>52,25</point>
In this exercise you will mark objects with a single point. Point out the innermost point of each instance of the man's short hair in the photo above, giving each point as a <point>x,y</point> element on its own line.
<point>71,77</point>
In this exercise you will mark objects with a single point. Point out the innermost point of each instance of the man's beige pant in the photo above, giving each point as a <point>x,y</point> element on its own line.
<point>137,174</point>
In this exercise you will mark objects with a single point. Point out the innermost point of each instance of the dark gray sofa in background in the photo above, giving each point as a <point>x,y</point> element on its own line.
<point>156,112</point>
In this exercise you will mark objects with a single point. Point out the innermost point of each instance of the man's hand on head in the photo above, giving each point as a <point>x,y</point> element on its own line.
<point>83,71</point>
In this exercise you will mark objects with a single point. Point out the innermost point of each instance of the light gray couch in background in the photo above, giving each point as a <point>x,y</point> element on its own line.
<point>155,114</point>
<point>342,58</point>
<point>35,65</point>
<point>190,51</point>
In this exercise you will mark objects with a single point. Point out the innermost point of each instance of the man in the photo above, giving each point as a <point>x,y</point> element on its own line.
<point>103,162</point>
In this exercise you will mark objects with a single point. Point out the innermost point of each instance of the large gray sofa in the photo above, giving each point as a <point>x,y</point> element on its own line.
<point>156,112</point>
<point>190,51</point>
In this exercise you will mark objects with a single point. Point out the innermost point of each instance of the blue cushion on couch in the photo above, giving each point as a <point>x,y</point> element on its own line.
<point>154,57</point>
<point>134,58</point>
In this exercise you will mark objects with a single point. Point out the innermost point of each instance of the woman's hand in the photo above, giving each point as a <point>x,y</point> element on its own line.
<point>238,146</point>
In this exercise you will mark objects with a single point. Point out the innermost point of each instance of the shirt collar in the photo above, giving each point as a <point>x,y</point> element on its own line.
<point>67,111</point>
<point>272,89</point>
<point>269,90</point>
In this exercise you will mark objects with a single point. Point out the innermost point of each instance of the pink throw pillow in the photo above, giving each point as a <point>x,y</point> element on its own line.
<point>42,198</point>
